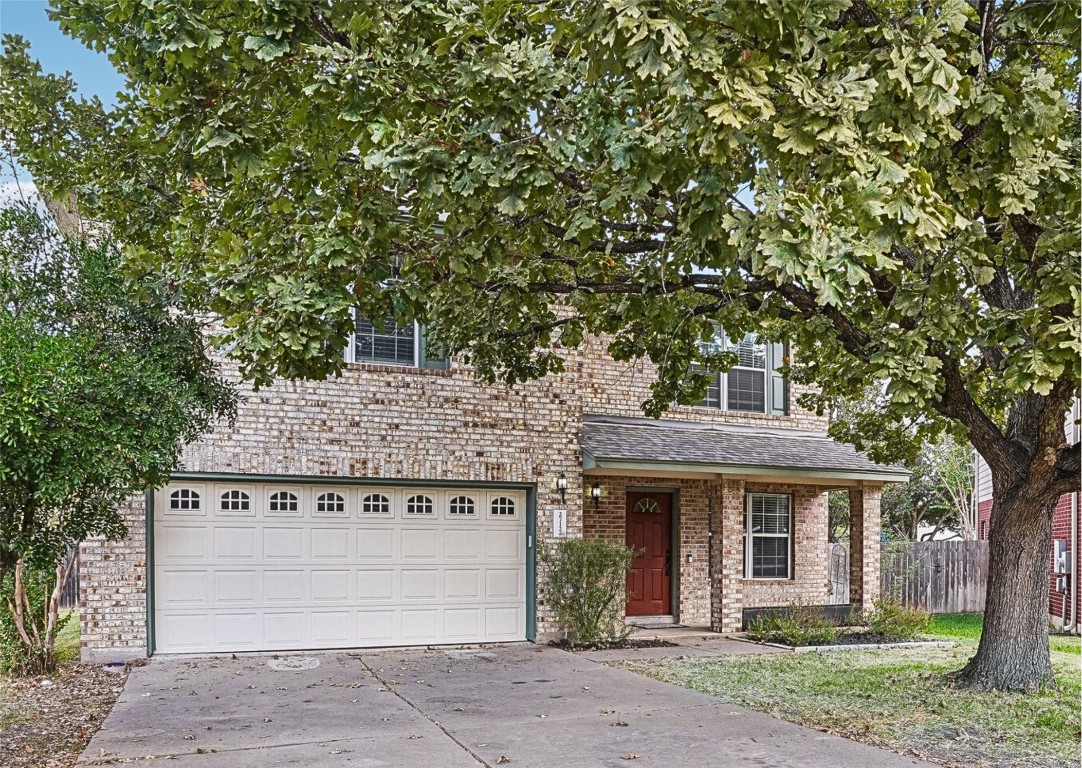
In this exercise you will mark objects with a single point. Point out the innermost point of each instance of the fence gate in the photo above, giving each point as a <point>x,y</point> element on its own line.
<point>839,574</point>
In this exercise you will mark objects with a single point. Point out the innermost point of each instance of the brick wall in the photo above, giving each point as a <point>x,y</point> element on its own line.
<point>865,534</point>
<point>404,423</point>
<point>112,592</point>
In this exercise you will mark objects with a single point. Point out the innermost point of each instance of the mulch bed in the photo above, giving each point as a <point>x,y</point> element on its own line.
<point>46,722</point>
<point>566,645</point>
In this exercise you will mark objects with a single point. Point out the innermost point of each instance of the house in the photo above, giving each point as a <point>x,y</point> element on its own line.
<point>404,502</point>
<point>1065,559</point>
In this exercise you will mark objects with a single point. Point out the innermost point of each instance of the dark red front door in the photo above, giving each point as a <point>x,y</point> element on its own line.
<point>649,533</point>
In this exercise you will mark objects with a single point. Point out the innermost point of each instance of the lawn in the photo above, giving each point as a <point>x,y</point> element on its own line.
<point>901,699</point>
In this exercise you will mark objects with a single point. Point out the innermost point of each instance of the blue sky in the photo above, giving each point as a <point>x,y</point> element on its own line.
<point>93,73</point>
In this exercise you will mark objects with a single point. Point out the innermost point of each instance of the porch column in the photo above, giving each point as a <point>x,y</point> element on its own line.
<point>864,545</point>
<point>727,553</point>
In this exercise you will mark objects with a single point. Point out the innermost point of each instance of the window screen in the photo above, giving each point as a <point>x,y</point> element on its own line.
<point>385,342</point>
<point>769,521</point>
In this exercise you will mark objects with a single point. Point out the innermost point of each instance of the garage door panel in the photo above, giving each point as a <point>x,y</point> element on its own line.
<point>420,543</point>
<point>332,627</point>
<point>285,630</point>
<point>503,544</point>
<point>281,543</point>
<point>502,584</point>
<point>330,586</point>
<point>284,586</point>
<point>420,624</point>
<point>236,587</point>
<point>375,544</point>
<point>462,584</point>
<point>464,544</point>
<point>292,567</point>
<point>503,622</point>
<point>330,543</point>
<point>235,543</point>
<point>238,630</point>
<point>373,586</point>
<point>183,542</point>
<point>377,626</point>
<point>184,588</point>
<point>182,632</point>
<point>419,584</point>
<point>463,623</point>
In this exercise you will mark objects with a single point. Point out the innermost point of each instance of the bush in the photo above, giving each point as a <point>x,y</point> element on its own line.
<point>587,588</point>
<point>26,637</point>
<point>796,625</point>
<point>893,620</point>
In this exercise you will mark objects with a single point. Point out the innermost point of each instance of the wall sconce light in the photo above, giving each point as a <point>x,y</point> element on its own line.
<point>561,486</point>
<point>595,494</point>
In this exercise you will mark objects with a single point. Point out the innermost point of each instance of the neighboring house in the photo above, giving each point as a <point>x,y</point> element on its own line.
<point>403,503</point>
<point>1064,598</point>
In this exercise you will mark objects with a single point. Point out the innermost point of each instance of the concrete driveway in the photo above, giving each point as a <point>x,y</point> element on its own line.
<point>516,705</point>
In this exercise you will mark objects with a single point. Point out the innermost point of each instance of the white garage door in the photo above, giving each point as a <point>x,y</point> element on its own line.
<point>245,567</point>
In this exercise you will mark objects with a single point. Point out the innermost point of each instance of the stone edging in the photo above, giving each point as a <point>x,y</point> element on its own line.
<point>855,646</point>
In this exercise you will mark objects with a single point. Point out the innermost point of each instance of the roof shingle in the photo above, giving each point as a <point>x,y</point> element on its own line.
<point>677,443</point>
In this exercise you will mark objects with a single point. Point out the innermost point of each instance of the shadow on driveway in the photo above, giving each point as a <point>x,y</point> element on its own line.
<point>515,705</point>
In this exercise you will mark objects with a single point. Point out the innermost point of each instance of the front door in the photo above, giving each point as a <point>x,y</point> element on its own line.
<point>649,533</point>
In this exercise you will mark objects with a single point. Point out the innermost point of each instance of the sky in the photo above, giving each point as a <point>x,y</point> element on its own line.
<point>93,73</point>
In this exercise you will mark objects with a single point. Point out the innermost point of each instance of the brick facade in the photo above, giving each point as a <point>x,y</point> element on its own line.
<point>416,424</point>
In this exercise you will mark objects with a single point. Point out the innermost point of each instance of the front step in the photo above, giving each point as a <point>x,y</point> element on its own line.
<point>652,622</point>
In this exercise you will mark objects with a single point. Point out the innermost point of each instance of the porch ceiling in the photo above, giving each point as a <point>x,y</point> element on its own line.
<point>610,443</point>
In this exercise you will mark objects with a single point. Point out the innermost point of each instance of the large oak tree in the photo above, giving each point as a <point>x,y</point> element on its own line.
<point>891,185</point>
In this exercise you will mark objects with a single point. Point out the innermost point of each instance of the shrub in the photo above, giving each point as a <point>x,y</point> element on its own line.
<point>795,625</point>
<point>28,628</point>
<point>587,588</point>
<point>893,620</point>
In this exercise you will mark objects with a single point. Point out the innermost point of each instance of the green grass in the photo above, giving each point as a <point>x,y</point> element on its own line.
<point>67,641</point>
<point>967,626</point>
<point>902,699</point>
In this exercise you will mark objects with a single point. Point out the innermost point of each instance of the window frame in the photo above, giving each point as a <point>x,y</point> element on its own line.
<point>351,347</point>
<point>750,536</point>
<point>775,402</point>
<point>722,377</point>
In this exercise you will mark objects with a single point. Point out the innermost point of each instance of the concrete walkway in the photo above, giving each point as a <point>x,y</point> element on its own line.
<point>516,705</point>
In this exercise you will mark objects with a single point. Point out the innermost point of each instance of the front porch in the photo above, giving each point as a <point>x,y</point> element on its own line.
<point>714,537</point>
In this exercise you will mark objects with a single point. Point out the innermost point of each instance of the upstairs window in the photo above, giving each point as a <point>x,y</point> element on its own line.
<point>754,384</point>
<point>385,341</point>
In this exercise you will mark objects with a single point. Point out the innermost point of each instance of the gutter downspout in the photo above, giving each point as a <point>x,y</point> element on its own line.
<point>1070,627</point>
<point>1076,433</point>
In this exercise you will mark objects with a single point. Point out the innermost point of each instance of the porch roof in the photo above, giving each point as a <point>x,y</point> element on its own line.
<point>637,444</point>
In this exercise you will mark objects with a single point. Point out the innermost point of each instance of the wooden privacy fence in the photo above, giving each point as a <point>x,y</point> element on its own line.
<point>938,576</point>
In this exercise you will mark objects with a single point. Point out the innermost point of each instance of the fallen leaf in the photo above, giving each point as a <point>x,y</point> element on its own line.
<point>503,760</point>
<point>630,756</point>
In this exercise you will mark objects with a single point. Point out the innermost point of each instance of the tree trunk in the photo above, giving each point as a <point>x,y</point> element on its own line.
<point>1013,651</point>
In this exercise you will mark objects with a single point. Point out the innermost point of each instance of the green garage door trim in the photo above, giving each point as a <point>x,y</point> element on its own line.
<point>531,524</point>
